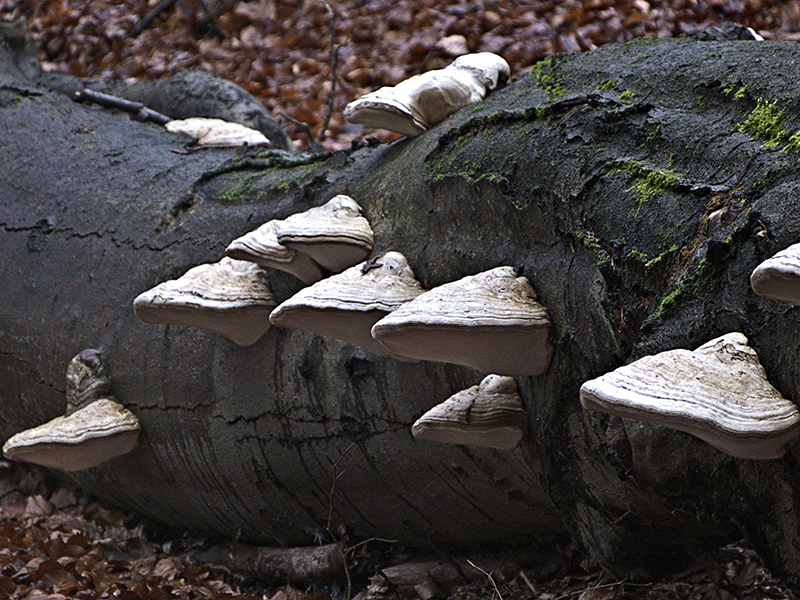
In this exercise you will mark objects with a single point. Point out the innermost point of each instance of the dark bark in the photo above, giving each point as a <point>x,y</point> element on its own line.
<point>542,176</point>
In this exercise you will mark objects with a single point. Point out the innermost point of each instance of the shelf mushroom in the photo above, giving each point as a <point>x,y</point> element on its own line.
<point>95,428</point>
<point>216,132</point>
<point>718,392</point>
<point>261,246</point>
<point>778,277</point>
<point>334,235</point>
<point>490,414</point>
<point>230,297</point>
<point>415,105</point>
<point>346,306</point>
<point>490,321</point>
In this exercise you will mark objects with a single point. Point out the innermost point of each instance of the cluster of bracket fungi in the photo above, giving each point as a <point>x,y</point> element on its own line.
<point>490,321</point>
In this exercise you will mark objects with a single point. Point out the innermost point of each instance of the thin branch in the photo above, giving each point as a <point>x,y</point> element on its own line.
<point>334,50</point>
<point>489,576</point>
<point>139,110</point>
<point>149,17</point>
<point>336,475</point>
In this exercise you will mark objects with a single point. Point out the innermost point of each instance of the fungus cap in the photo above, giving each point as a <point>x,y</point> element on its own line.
<point>216,132</point>
<point>334,235</point>
<point>261,246</point>
<point>416,104</point>
<point>100,431</point>
<point>490,414</point>
<point>345,306</point>
<point>778,277</point>
<point>718,392</point>
<point>490,321</point>
<point>230,297</point>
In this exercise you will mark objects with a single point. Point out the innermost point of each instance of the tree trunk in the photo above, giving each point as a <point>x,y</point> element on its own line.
<point>549,175</point>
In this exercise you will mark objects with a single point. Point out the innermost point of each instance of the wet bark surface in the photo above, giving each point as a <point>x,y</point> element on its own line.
<point>551,175</point>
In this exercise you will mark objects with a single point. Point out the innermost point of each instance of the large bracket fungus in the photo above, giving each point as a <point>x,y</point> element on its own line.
<point>415,105</point>
<point>490,414</point>
<point>262,247</point>
<point>345,306</point>
<point>231,297</point>
<point>334,235</point>
<point>718,392</point>
<point>490,321</point>
<point>778,277</point>
<point>95,428</point>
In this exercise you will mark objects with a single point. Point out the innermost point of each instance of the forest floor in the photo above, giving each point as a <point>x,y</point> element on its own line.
<point>305,60</point>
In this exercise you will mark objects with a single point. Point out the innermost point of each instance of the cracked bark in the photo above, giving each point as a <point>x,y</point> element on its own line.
<point>244,439</point>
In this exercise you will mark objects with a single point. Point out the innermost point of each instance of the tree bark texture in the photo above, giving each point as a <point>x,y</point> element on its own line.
<point>549,175</point>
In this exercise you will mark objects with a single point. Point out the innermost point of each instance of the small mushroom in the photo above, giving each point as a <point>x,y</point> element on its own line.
<point>415,105</point>
<point>262,247</point>
<point>346,306</point>
<point>490,414</point>
<point>490,321</point>
<point>778,277</point>
<point>334,235</point>
<point>231,297</point>
<point>216,132</point>
<point>718,392</point>
<point>95,428</point>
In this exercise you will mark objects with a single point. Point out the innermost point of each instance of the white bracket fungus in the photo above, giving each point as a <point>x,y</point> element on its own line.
<point>778,277</point>
<point>415,105</point>
<point>334,235</point>
<point>262,247</point>
<point>346,306</point>
<point>231,297</point>
<point>95,428</point>
<point>719,393</point>
<point>490,414</point>
<point>216,132</point>
<point>490,321</point>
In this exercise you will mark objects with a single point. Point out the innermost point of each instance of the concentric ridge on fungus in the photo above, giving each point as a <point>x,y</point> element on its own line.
<point>490,414</point>
<point>490,321</point>
<point>230,297</point>
<point>346,306</point>
<point>718,392</point>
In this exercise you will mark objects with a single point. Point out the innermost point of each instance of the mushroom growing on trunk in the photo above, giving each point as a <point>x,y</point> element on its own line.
<point>216,132</point>
<point>334,235</point>
<point>490,321</point>
<point>94,429</point>
<point>490,414</point>
<point>718,392</point>
<point>346,306</point>
<point>262,247</point>
<point>231,297</point>
<point>415,105</point>
<point>778,277</point>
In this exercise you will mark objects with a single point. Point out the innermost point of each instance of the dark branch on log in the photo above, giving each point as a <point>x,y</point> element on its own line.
<point>139,110</point>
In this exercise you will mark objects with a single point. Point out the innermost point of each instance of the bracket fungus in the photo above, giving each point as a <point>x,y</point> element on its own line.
<point>778,277</point>
<point>230,297</point>
<point>490,321</point>
<point>334,235</point>
<point>415,105</point>
<point>95,428</point>
<point>261,246</point>
<point>216,132</point>
<point>490,414</point>
<point>346,306</point>
<point>718,392</point>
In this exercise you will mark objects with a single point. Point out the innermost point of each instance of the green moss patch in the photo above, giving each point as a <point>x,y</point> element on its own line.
<point>764,123</point>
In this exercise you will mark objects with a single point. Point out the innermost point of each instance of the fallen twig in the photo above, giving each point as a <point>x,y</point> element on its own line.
<point>139,110</point>
<point>489,576</point>
<point>148,18</point>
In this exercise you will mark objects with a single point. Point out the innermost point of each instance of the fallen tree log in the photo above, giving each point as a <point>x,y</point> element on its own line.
<point>636,187</point>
